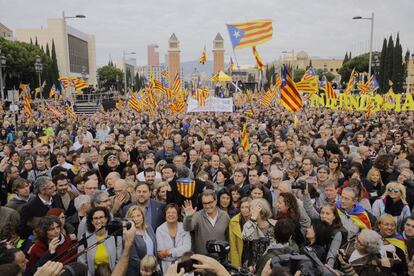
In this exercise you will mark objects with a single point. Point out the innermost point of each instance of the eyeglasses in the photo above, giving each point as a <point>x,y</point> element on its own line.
<point>99,218</point>
<point>393,190</point>
<point>208,203</point>
<point>333,161</point>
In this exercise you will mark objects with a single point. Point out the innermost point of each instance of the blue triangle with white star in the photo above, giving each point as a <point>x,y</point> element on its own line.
<point>235,35</point>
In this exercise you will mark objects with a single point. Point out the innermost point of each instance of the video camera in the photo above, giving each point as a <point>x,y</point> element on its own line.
<point>116,226</point>
<point>307,263</point>
<point>219,250</point>
<point>299,184</point>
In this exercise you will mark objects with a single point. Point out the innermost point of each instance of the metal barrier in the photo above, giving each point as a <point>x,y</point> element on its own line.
<point>96,97</point>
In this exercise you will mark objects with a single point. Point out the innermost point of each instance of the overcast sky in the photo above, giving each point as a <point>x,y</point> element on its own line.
<point>321,28</point>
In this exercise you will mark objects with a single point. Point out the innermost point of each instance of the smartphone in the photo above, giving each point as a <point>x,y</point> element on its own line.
<point>187,265</point>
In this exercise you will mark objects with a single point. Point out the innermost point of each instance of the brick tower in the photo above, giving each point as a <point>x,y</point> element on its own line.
<point>218,53</point>
<point>173,57</point>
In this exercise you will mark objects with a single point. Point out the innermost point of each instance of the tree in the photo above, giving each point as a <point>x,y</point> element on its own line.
<point>345,58</point>
<point>110,76</point>
<point>31,41</point>
<point>270,76</point>
<point>298,74</point>
<point>397,66</point>
<point>360,63</point>
<point>55,69</point>
<point>405,67</point>
<point>139,82</point>
<point>382,76</point>
<point>388,69</point>
<point>36,43</point>
<point>20,58</point>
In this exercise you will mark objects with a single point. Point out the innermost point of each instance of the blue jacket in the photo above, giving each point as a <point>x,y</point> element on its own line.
<point>139,250</point>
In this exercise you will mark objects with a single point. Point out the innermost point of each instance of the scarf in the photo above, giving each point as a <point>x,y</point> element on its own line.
<point>393,208</point>
<point>358,215</point>
<point>398,241</point>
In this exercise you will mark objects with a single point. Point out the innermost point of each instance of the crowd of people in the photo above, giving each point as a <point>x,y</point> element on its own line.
<point>126,193</point>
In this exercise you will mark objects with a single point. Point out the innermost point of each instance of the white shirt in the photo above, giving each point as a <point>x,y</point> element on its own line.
<point>212,220</point>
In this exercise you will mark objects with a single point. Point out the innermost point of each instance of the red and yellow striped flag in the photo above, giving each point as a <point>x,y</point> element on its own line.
<point>203,57</point>
<point>259,61</point>
<point>350,84</point>
<point>27,106</point>
<point>245,139</point>
<point>250,33</point>
<point>69,111</point>
<point>176,85</point>
<point>330,93</point>
<point>289,95</point>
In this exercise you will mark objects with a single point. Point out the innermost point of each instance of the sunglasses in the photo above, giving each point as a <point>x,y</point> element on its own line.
<point>393,190</point>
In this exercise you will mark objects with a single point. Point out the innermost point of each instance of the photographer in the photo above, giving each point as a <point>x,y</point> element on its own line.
<point>283,244</point>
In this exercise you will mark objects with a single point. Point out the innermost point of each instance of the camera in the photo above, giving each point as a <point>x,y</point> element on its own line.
<point>188,265</point>
<point>218,247</point>
<point>115,227</point>
<point>219,250</point>
<point>299,184</point>
<point>294,263</point>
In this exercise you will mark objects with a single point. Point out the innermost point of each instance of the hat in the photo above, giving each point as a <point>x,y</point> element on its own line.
<point>109,155</point>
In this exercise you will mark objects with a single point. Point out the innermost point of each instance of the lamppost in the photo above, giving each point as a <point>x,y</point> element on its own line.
<point>65,32</point>
<point>376,63</point>
<point>371,39</point>
<point>84,72</point>
<point>125,67</point>
<point>2,65</point>
<point>39,68</point>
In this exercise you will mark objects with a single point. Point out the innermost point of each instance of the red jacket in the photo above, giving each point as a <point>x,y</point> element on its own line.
<point>40,249</point>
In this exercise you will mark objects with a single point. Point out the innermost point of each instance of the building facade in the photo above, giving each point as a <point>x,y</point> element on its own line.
<point>75,50</point>
<point>218,54</point>
<point>410,75</point>
<point>174,63</point>
<point>301,60</point>
<point>5,32</point>
<point>153,55</point>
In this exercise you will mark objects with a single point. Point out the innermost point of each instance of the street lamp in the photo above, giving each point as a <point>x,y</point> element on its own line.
<point>2,65</point>
<point>65,32</point>
<point>125,67</point>
<point>84,72</point>
<point>371,38</point>
<point>39,68</point>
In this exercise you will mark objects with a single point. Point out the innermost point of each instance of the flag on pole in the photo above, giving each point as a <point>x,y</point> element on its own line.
<point>330,93</point>
<point>259,61</point>
<point>245,139</point>
<point>350,84</point>
<point>309,74</point>
<point>69,111</point>
<point>231,67</point>
<point>289,95</point>
<point>203,57</point>
<point>176,85</point>
<point>250,33</point>
<point>27,106</point>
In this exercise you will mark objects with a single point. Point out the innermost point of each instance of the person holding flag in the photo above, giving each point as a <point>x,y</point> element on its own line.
<point>353,216</point>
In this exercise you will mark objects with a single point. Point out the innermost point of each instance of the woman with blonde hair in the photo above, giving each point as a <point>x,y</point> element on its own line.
<point>373,184</point>
<point>259,227</point>
<point>160,191</point>
<point>393,202</point>
<point>235,233</point>
<point>145,242</point>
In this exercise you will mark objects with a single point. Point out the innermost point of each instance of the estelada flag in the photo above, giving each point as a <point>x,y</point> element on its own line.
<point>186,187</point>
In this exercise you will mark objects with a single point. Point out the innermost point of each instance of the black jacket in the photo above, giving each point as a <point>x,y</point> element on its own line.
<point>35,209</point>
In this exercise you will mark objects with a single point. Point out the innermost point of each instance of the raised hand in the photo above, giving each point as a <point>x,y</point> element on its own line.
<point>188,208</point>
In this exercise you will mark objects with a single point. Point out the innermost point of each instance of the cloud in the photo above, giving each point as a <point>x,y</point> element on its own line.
<point>322,28</point>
